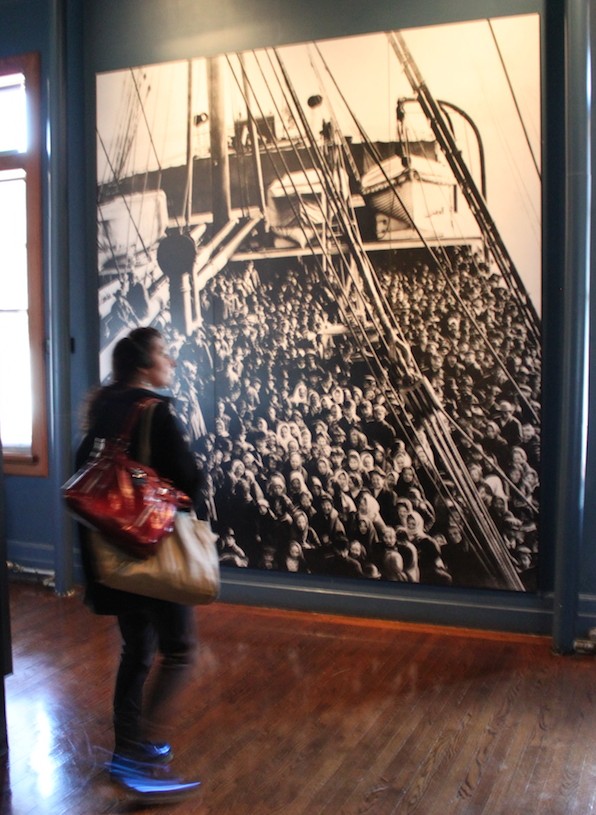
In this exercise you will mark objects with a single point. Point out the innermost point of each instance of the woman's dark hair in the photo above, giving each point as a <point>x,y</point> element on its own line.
<point>132,353</point>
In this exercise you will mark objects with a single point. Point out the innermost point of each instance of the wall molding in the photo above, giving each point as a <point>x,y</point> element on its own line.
<point>478,609</point>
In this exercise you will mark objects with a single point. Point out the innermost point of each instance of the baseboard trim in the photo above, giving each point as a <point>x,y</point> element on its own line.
<point>480,609</point>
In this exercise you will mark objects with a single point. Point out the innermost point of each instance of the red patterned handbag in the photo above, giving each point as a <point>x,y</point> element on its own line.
<point>125,499</point>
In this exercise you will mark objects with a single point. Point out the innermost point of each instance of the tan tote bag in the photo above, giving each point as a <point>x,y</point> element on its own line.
<point>184,569</point>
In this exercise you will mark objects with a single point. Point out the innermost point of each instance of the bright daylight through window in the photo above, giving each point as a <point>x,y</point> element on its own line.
<point>22,397</point>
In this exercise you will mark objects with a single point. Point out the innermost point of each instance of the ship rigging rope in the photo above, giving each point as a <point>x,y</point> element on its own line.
<point>122,150</point>
<point>348,225</point>
<point>510,280</point>
<point>149,132</point>
<point>334,121</point>
<point>479,526</point>
<point>126,203</point>
<point>418,373</point>
<point>514,97</point>
<point>433,426</point>
<point>346,306</point>
<point>356,326</point>
<point>449,454</point>
<point>377,159</point>
<point>464,178</point>
<point>362,324</point>
<point>499,471</point>
<point>123,139</point>
<point>352,234</point>
<point>152,143</point>
<point>340,291</point>
<point>441,266</point>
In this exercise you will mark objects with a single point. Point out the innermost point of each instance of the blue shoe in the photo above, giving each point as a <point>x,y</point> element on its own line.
<point>152,790</point>
<point>156,751</point>
<point>146,752</point>
<point>124,765</point>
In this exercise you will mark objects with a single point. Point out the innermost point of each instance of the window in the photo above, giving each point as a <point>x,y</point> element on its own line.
<point>23,427</point>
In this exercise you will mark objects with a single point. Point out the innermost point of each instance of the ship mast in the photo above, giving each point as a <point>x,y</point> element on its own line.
<point>220,163</point>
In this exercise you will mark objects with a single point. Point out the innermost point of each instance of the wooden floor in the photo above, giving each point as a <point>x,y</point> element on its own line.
<point>298,714</point>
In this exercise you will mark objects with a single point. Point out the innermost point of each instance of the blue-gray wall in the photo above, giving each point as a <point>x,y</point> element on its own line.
<point>76,39</point>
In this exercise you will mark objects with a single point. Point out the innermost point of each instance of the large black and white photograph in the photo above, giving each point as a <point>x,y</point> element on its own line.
<point>341,243</point>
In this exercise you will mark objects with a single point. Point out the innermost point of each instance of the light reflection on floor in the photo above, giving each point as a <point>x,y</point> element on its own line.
<point>46,762</point>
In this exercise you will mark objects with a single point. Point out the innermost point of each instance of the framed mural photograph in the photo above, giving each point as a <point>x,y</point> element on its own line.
<point>341,243</point>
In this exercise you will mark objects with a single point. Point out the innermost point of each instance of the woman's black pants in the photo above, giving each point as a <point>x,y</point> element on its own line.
<point>167,628</point>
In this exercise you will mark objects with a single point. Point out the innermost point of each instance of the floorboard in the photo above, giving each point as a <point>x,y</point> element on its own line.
<point>292,713</point>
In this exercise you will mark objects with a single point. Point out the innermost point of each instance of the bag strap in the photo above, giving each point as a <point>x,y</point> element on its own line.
<point>135,415</point>
<point>147,408</point>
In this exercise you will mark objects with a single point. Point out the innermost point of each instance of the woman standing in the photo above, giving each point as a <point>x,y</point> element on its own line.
<point>140,365</point>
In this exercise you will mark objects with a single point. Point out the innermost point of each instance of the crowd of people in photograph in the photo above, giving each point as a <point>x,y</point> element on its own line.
<point>309,467</point>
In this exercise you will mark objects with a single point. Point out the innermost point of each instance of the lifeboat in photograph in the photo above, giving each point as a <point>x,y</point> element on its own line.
<point>128,225</point>
<point>406,191</point>
<point>300,209</point>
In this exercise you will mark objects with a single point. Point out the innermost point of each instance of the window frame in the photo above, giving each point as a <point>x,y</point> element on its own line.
<point>34,463</point>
